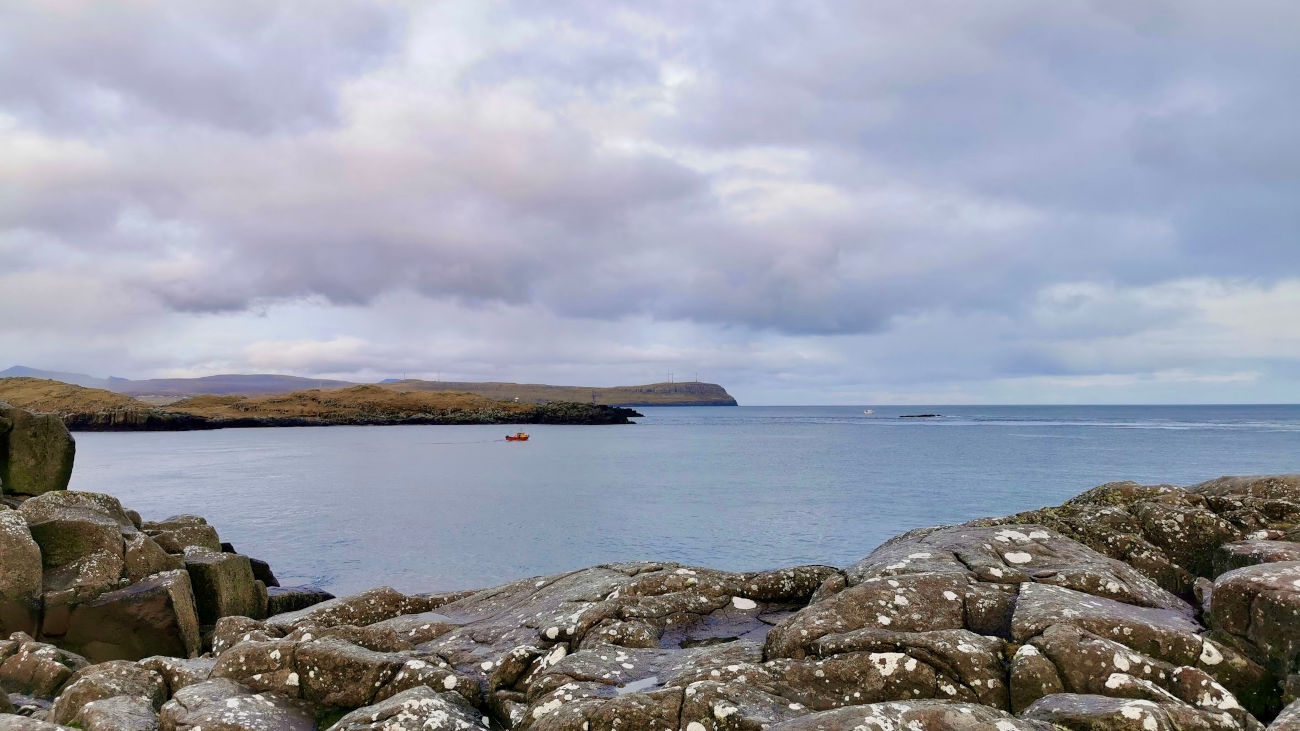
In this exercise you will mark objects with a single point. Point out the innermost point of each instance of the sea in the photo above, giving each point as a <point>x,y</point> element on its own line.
<point>439,508</point>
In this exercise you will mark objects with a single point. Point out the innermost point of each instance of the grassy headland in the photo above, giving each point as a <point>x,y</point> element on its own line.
<point>91,409</point>
<point>689,393</point>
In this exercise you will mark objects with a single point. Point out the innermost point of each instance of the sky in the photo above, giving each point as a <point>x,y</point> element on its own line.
<point>859,202</point>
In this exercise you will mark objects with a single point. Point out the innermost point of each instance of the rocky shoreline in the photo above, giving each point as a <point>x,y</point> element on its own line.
<point>1129,607</point>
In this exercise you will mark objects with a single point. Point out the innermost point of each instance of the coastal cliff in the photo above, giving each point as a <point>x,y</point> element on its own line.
<point>88,409</point>
<point>1128,608</point>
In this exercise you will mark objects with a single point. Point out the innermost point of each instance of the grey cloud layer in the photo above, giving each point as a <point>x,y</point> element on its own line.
<point>810,169</point>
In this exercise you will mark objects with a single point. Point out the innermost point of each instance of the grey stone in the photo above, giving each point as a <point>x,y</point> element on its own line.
<point>36,452</point>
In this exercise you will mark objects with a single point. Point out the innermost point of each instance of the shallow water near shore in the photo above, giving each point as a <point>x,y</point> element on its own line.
<point>430,508</point>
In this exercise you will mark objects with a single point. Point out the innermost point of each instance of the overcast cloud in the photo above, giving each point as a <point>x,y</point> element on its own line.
<point>815,202</point>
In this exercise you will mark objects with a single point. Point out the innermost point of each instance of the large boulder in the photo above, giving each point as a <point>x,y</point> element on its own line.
<point>20,579</point>
<point>34,668</point>
<point>81,539</point>
<point>152,617</point>
<point>118,713</point>
<point>224,705</point>
<point>36,452</point>
<point>107,680</point>
<point>1258,607</point>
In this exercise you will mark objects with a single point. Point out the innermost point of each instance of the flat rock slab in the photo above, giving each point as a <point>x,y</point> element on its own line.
<point>108,680</point>
<point>928,715</point>
<point>224,705</point>
<point>1013,554</point>
<point>1239,554</point>
<point>119,713</point>
<point>417,709</point>
<point>1163,633</point>
<point>1101,713</point>
<point>1260,605</point>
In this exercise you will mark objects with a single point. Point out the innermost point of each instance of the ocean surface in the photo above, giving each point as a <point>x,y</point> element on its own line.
<point>431,508</point>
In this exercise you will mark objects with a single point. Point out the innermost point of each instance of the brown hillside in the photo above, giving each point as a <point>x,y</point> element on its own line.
<point>356,402</point>
<point>56,397</point>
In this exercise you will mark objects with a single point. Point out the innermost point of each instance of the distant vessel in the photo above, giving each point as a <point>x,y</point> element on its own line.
<point>920,416</point>
<point>517,437</point>
<point>868,411</point>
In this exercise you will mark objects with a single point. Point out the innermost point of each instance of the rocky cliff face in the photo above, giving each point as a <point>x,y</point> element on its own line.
<point>1131,607</point>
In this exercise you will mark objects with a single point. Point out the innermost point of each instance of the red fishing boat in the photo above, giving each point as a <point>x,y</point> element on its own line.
<point>517,437</point>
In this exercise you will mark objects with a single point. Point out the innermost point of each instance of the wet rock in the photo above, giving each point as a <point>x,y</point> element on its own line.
<point>36,452</point>
<point>282,600</point>
<point>262,572</point>
<point>412,710</point>
<point>360,610</point>
<point>1087,712</point>
<point>221,704</point>
<point>180,672</point>
<point>119,713</point>
<point>20,579</point>
<point>929,715</point>
<point>1259,607</point>
<point>107,680</point>
<point>223,586</point>
<point>153,617</point>
<point>35,668</point>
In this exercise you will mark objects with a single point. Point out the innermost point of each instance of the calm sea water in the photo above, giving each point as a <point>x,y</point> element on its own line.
<point>427,508</point>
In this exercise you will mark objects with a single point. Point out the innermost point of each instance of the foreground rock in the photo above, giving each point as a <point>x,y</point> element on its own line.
<point>1130,607</point>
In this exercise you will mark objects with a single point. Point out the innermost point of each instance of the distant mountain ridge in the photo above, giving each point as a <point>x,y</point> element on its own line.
<point>221,385</point>
<point>688,393</point>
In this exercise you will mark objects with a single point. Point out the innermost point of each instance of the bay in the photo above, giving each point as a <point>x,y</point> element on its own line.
<point>431,508</point>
